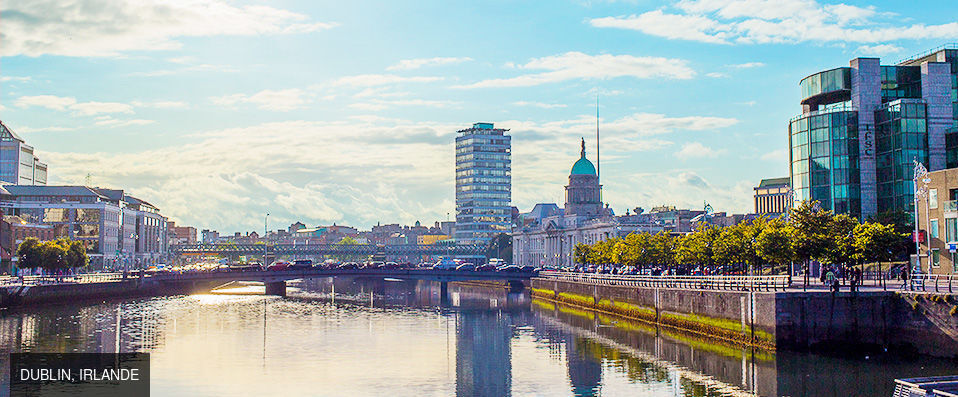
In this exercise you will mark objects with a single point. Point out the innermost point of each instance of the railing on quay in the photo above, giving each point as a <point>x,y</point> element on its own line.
<point>938,282</point>
<point>64,279</point>
<point>727,283</point>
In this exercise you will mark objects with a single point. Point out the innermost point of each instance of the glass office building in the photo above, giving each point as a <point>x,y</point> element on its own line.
<point>483,183</point>
<point>862,127</point>
<point>18,164</point>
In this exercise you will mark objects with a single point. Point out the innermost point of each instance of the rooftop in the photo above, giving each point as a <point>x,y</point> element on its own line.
<point>774,182</point>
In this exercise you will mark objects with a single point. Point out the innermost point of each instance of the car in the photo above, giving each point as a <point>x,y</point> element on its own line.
<point>373,265</point>
<point>391,265</point>
<point>509,269</point>
<point>301,264</point>
<point>527,269</point>
<point>348,266</point>
<point>486,268</point>
<point>466,267</point>
<point>245,268</point>
<point>278,266</point>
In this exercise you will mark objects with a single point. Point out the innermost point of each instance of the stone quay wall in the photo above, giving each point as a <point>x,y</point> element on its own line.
<point>922,322</point>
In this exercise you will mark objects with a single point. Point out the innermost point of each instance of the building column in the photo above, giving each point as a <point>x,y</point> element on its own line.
<point>936,91</point>
<point>866,96</point>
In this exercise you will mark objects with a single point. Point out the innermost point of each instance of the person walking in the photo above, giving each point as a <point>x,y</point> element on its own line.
<point>831,280</point>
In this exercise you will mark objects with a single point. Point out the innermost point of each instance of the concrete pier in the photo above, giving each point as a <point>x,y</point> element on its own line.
<point>277,288</point>
<point>926,323</point>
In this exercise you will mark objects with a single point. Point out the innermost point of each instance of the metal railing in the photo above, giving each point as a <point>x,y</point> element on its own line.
<point>938,282</point>
<point>67,279</point>
<point>726,283</point>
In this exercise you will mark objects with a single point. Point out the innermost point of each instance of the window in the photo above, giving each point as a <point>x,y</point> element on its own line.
<point>932,198</point>
<point>951,229</point>
<point>935,258</point>
<point>933,225</point>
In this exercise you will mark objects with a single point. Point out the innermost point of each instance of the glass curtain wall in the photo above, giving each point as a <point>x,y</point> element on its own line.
<point>825,160</point>
<point>901,138</point>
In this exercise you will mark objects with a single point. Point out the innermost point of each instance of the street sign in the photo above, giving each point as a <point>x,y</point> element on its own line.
<point>952,246</point>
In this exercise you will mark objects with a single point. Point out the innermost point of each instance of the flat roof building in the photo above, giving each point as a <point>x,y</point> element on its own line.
<point>863,126</point>
<point>18,164</point>
<point>771,197</point>
<point>483,183</point>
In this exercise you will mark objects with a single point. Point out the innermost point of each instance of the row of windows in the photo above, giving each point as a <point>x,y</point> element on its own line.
<point>483,149</point>
<point>483,187</point>
<point>472,202</point>
<point>481,156</point>
<point>482,195</point>
<point>484,164</point>
<point>485,172</point>
<point>484,179</point>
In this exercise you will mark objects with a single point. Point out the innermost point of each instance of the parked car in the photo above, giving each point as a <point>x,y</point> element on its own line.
<point>391,265</point>
<point>466,267</point>
<point>301,264</point>
<point>527,268</point>
<point>486,268</point>
<point>509,269</point>
<point>277,266</point>
<point>348,266</point>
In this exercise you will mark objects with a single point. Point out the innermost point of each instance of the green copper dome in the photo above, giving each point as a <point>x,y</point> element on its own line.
<point>583,166</point>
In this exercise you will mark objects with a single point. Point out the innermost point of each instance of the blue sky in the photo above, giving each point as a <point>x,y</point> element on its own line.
<point>320,111</point>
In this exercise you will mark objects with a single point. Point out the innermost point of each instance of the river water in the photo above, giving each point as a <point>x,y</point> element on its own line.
<point>363,337</point>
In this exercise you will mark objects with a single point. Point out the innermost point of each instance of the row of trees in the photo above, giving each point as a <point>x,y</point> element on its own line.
<point>52,255</point>
<point>809,234</point>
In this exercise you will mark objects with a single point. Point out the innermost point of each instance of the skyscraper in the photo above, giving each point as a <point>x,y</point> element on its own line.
<point>862,126</point>
<point>483,183</point>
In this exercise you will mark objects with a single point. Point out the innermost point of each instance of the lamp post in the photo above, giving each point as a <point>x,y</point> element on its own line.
<point>265,240</point>
<point>921,175</point>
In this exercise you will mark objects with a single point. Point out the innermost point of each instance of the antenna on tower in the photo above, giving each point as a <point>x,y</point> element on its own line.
<point>598,164</point>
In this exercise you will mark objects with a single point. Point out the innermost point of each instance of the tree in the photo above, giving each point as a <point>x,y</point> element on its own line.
<point>808,232</point>
<point>581,253</point>
<point>52,256</point>
<point>29,253</point>
<point>875,242</point>
<point>773,244</point>
<point>662,248</point>
<point>342,244</point>
<point>76,254</point>
<point>841,240</point>
<point>902,224</point>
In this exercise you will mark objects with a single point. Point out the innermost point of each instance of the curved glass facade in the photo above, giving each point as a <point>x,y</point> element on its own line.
<point>824,160</point>
<point>839,79</point>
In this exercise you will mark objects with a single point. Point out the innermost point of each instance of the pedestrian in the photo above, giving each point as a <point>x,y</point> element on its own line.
<point>831,280</point>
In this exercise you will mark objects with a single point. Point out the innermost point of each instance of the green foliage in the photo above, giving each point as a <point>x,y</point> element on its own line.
<point>52,255</point>
<point>810,233</point>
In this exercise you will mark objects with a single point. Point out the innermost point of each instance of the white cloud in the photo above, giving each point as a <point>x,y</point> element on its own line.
<point>46,101</point>
<point>879,49</point>
<point>409,64</point>
<point>717,75</point>
<point>747,65</point>
<point>370,80</point>
<point>654,124</point>
<point>773,21</point>
<point>540,104</point>
<point>161,104</point>
<point>14,78</point>
<point>69,103</point>
<point>108,28</point>
<point>380,104</point>
<point>695,150</point>
<point>276,100</point>
<point>92,108</point>
<point>27,130</point>
<point>576,65</point>
<point>107,121</point>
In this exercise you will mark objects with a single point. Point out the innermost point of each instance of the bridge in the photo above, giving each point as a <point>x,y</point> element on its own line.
<point>274,250</point>
<point>275,280</point>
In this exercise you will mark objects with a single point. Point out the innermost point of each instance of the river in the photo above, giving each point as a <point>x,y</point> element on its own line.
<point>367,337</point>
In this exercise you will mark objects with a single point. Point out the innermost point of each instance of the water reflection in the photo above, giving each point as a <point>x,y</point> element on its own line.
<point>391,337</point>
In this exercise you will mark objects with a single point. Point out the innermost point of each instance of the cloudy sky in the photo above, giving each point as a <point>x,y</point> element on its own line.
<point>329,111</point>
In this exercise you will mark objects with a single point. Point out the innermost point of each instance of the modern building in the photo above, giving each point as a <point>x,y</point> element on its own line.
<point>547,235</point>
<point>119,231</point>
<point>772,197</point>
<point>18,164</point>
<point>430,239</point>
<point>938,217</point>
<point>210,236</point>
<point>483,183</point>
<point>862,126</point>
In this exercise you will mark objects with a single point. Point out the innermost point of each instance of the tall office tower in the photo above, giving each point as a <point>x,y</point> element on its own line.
<point>862,127</point>
<point>483,183</point>
<point>18,164</point>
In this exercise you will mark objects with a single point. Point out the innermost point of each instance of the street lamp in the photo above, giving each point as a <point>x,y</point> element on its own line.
<point>921,175</point>
<point>265,240</point>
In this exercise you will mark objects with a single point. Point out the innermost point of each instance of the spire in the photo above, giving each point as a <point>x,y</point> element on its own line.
<point>583,147</point>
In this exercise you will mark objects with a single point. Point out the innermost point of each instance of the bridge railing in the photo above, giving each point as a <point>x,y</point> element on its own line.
<point>727,283</point>
<point>65,279</point>
<point>933,282</point>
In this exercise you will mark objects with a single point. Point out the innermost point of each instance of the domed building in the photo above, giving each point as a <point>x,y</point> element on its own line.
<point>547,235</point>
